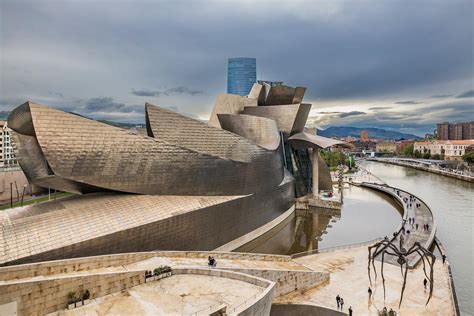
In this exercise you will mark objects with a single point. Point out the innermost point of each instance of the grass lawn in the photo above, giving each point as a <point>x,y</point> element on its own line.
<point>40,199</point>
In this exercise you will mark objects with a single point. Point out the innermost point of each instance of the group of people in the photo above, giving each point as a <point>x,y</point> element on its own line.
<point>211,262</point>
<point>340,304</point>
<point>426,227</point>
<point>411,220</point>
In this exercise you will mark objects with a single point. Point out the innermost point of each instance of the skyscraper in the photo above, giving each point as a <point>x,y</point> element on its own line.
<point>241,75</point>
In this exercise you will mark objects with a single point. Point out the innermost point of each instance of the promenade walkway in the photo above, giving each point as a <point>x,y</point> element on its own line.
<point>408,232</point>
<point>433,166</point>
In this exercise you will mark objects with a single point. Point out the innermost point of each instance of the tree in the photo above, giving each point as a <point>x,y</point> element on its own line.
<point>408,150</point>
<point>469,157</point>
<point>436,157</point>
<point>417,154</point>
<point>426,155</point>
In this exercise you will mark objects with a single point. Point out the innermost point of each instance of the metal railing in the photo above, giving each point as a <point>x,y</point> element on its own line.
<point>334,248</point>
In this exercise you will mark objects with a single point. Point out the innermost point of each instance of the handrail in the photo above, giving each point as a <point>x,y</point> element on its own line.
<point>334,248</point>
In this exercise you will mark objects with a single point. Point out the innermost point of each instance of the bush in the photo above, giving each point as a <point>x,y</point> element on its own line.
<point>469,157</point>
<point>408,150</point>
<point>436,157</point>
<point>71,297</point>
<point>86,295</point>
<point>417,154</point>
<point>427,155</point>
<point>161,269</point>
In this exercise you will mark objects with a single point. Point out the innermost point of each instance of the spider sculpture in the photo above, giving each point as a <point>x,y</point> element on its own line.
<point>387,247</point>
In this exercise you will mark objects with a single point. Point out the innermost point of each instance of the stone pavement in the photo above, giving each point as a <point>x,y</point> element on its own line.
<point>349,279</point>
<point>176,295</point>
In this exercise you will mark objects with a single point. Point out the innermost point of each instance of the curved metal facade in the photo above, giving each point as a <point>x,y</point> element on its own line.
<point>84,156</point>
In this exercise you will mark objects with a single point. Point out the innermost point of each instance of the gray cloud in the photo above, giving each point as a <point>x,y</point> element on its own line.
<point>408,102</point>
<point>467,94</point>
<point>441,96</point>
<point>104,104</point>
<point>376,108</point>
<point>351,113</point>
<point>105,50</point>
<point>157,93</point>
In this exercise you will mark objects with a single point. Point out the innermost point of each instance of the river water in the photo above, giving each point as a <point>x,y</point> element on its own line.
<point>367,215</point>
<point>452,202</point>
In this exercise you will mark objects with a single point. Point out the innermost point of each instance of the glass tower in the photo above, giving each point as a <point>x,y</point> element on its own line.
<point>241,75</point>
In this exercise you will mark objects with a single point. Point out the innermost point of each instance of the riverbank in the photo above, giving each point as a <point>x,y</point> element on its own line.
<point>423,168</point>
<point>451,202</point>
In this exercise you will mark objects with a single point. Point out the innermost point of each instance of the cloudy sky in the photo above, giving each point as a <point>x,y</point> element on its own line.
<point>401,65</point>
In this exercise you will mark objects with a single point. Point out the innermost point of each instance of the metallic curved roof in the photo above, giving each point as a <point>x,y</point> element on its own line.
<point>261,130</point>
<point>307,140</point>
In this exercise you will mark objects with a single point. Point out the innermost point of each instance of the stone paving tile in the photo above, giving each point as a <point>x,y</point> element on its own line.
<point>349,279</point>
<point>176,295</point>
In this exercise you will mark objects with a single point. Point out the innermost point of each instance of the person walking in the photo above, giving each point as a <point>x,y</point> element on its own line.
<point>369,291</point>
<point>342,303</point>
<point>350,310</point>
<point>425,282</point>
<point>444,258</point>
<point>416,225</point>
<point>338,300</point>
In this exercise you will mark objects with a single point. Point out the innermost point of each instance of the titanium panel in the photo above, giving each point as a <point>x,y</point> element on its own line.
<point>260,130</point>
<point>280,95</point>
<point>101,156</point>
<point>290,118</point>
<point>229,104</point>
<point>198,136</point>
<point>308,140</point>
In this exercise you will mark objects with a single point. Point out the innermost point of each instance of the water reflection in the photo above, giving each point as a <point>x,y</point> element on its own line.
<point>365,215</point>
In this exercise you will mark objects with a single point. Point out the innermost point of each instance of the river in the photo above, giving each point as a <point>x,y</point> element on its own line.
<point>367,215</point>
<point>452,202</point>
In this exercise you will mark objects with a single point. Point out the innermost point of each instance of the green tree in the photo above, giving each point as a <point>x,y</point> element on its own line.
<point>436,157</point>
<point>417,154</point>
<point>427,155</point>
<point>469,157</point>
<point>408,150</point>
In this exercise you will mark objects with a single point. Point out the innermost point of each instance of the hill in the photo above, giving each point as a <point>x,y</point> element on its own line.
<point>343,131</point>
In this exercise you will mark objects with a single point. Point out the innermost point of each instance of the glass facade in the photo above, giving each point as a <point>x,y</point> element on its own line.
<point>241,75</point>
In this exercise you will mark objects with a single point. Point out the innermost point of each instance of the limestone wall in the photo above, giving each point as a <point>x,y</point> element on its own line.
<point>46,296</point>
<point>287,281</point>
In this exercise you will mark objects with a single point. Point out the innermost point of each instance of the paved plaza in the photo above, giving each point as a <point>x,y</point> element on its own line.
<point>349,279</point>
<point>176,295</point>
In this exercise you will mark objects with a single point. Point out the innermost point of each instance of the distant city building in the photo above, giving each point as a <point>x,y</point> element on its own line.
<point>451,149</point>
<point>364,136</point>
<point>241,75</point>
<point>402,144</point>
<point>364,146</point>
<point>7,157</point>
<point>429,136</point>
<point>270,83</point>
<point>386,147</point>
<point>455,131</point>
<point>349,139</point>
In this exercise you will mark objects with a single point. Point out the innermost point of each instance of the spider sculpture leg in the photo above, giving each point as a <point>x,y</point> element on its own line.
<point>428,255</point>
<point>404,283</point>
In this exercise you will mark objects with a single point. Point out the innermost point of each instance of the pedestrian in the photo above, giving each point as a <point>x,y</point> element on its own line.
<point>444,258</point>
<point>369,291</point>
<point>425,282</point>
<point>338,300</point>
<point>350,310</point>
<point>416,226</point>
<point>342,303</point>
<point>427,227</point>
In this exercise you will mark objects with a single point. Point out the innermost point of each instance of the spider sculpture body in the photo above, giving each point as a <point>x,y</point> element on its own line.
<point>386,247</point>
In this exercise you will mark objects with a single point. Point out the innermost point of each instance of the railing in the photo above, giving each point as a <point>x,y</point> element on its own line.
<point>340,247</point>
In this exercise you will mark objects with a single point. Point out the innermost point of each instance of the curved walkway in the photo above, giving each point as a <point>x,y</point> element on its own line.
<point>424,166</point>
<point>408,231</point>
